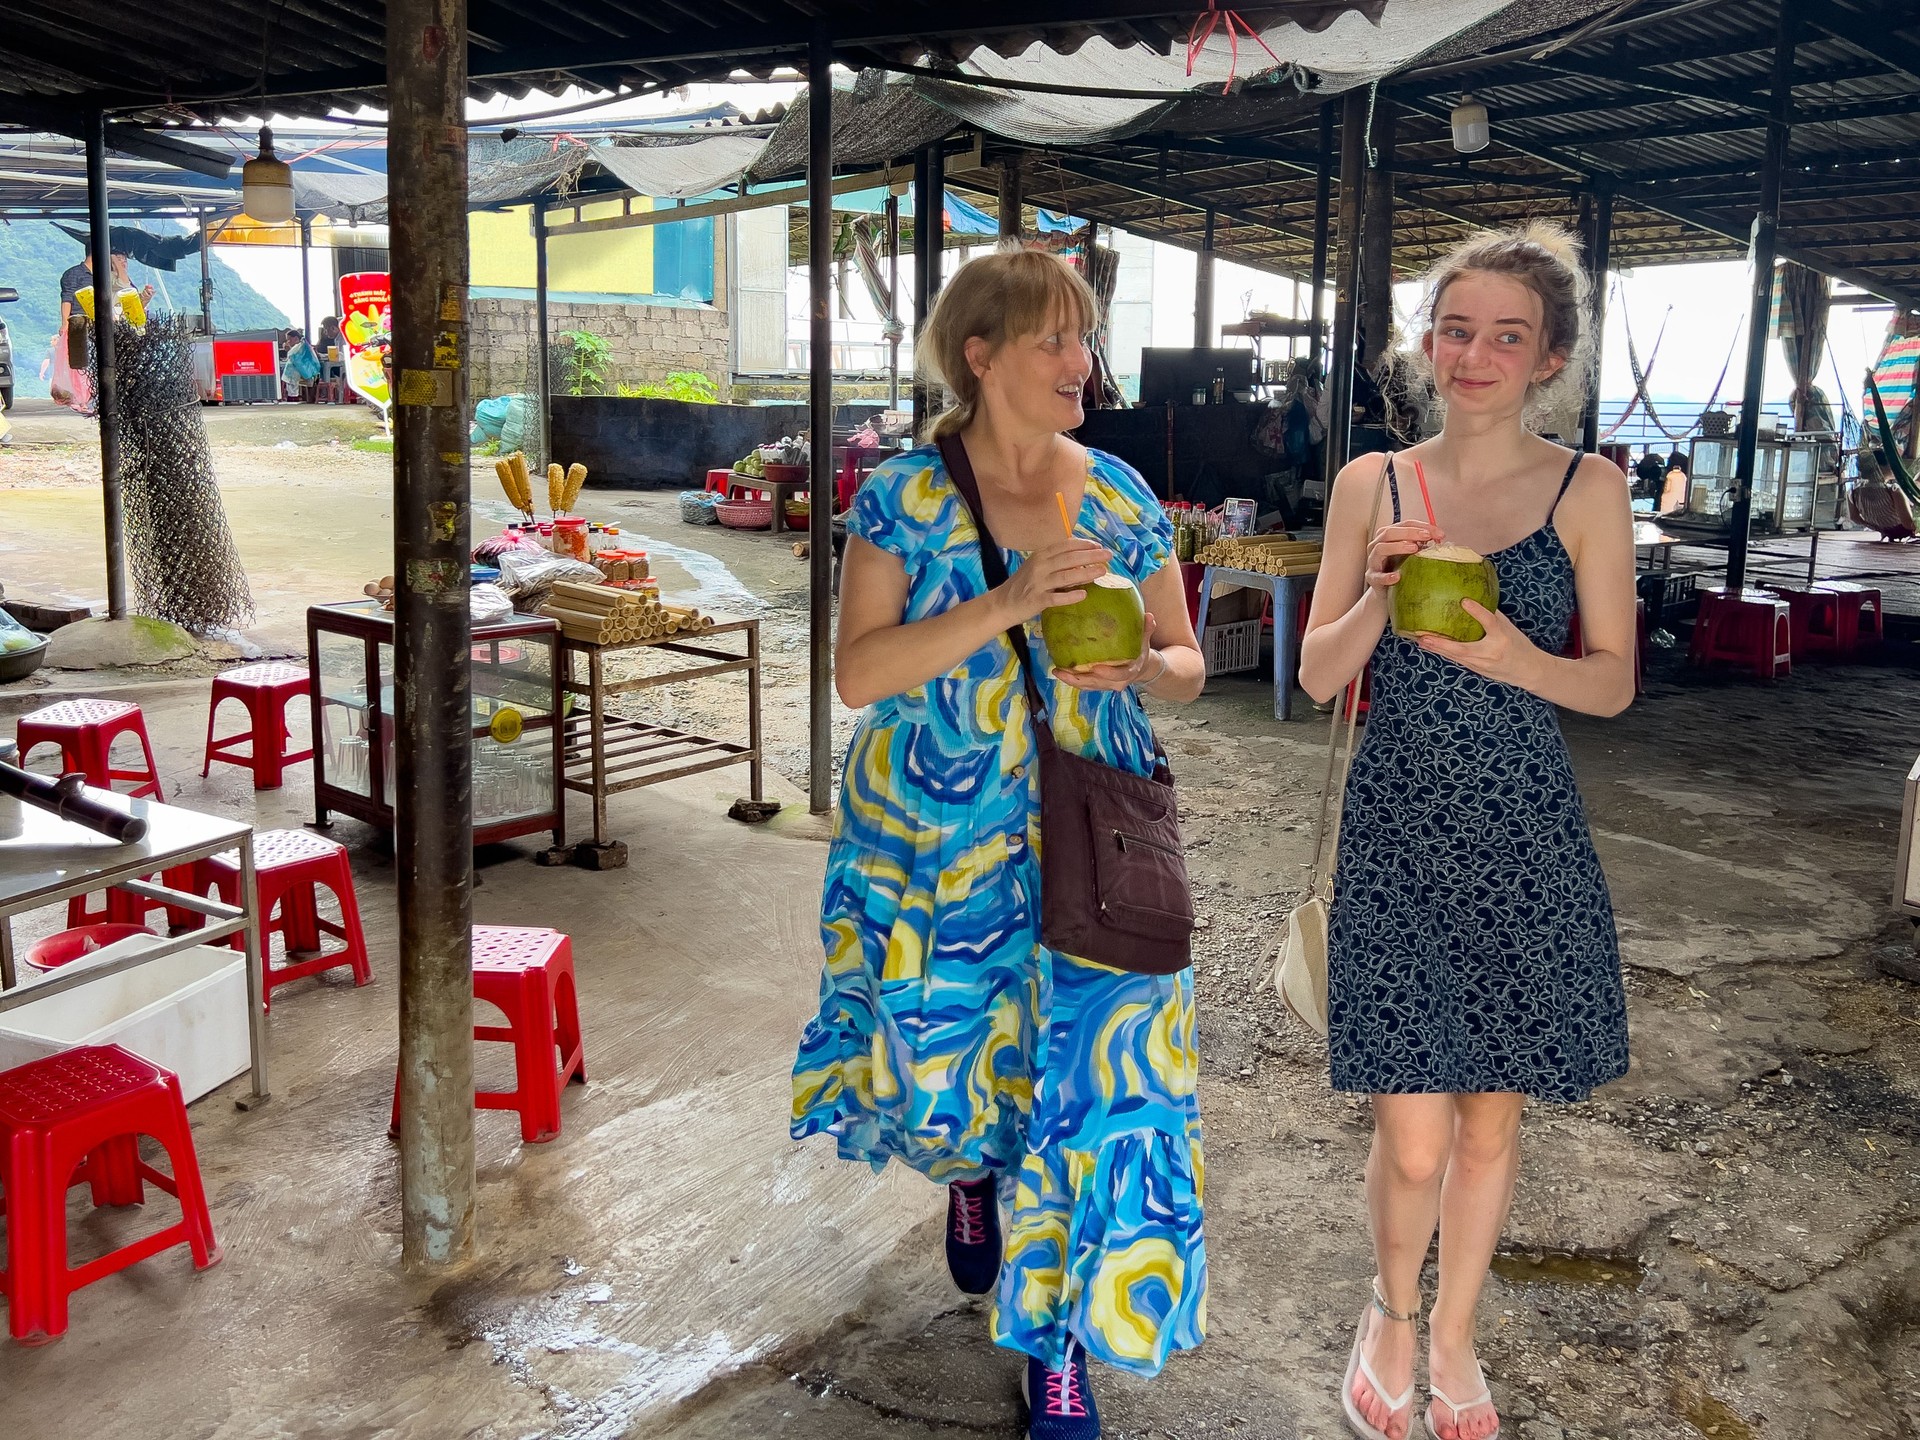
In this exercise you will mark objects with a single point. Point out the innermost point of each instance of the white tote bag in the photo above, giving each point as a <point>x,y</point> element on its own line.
<point>1301,973</point>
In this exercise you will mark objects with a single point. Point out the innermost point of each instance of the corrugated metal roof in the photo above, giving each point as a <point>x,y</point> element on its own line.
<point>219,58</point>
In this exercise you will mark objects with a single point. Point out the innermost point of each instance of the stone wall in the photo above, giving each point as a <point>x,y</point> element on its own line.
<point>649,342</point>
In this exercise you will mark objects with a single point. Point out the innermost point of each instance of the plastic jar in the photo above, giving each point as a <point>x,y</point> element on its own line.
<point>570,538</point>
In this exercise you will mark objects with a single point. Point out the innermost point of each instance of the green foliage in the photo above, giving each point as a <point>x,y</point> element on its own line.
<point>586,361</point>
<point>1890,443</point>
<point>374,445</point>
<point>688,385</point>
<point>33,253</point>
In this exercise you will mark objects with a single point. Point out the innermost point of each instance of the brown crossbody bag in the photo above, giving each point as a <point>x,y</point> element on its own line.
<point>1113,874</point>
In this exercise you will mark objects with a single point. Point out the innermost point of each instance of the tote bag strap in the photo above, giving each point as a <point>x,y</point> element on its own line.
<point>1347,708</point>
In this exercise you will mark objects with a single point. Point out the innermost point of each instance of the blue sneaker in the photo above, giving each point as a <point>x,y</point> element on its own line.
<point>1060,1402</point>
<point>973,1235</point>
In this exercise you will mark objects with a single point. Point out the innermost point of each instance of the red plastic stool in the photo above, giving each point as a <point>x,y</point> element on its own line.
<point>1750,628</point>
<point>528,974</point>
<point>265,689</point>
<point>76,1116</point>
<point>84,731</point>
<point>719,482</point>
<point>1850,612</point>
<point>291,867</point>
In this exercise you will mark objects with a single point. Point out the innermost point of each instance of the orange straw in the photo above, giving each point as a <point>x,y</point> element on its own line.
<point>1420,474</point>
<point>1065,523</point>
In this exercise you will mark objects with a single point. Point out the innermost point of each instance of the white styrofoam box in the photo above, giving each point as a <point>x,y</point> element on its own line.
<point>186,1013</point>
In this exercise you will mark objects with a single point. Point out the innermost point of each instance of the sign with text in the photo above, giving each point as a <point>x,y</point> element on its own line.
<point>366,334</point>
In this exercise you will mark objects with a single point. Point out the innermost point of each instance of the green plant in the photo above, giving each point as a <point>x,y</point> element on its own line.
<point>688,385</point>
<point>587,361</point>
<point>1890,443</point>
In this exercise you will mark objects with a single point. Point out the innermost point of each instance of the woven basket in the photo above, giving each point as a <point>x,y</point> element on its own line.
<point>696,507</point>
<point>1716,424</point>
<point>745,514</point>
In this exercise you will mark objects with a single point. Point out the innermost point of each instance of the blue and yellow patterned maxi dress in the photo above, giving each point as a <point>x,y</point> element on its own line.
<point>948,1036</point>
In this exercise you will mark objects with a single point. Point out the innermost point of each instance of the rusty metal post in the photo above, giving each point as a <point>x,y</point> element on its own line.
<point>937,217</point>
<point>206,278</point>
<point>1322,225</point>
<point>433,789</point>
<point>1203,336</point>
<point>1012,197</point>
<point>1340,357</point>
<point>543,345</point>
<point>893,298</point>
<point>306,279</point>
<point>925,247</point>
<point>107,395</point>
<point>1376,242</point>
<point>820,359</point>
<point>1766,239</point>
<point>1599,240</point>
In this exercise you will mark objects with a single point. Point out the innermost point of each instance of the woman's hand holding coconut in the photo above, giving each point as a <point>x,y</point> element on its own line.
<point>1502,653</point>
<point>1146,666</point>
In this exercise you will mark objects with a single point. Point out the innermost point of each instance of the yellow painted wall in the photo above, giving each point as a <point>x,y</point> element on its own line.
<point>611,262</point>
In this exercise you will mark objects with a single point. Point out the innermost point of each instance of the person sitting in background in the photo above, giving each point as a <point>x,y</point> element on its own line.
<point>1673,496</point>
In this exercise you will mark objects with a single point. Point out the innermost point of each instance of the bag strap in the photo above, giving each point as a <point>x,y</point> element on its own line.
<point>1349,702</point>
<point>960,470</point>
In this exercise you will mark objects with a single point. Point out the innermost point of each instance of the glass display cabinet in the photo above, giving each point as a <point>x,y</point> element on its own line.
<point>516,703</point>
<point>1786,472</point>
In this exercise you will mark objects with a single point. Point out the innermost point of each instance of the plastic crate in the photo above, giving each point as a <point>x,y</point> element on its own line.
<point>1232,647</point>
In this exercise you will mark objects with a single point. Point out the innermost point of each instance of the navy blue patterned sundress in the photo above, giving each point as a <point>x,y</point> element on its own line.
<point>1471,946</point>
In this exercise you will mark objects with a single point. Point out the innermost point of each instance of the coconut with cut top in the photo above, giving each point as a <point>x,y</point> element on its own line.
<point>1433,582</point>
<point>1106,627</point>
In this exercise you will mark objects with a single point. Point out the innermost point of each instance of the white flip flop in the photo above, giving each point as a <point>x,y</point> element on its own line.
<point>1485,1397</point>
<point>1357,1365</point>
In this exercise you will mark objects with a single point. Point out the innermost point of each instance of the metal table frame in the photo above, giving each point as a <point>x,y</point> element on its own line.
<point>606,755</point>
<point>126,866</point>
<point>1286,590</point>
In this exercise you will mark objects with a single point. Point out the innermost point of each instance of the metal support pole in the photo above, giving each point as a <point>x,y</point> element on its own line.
<point>206,277</point>
<point>1766,230</point>
<point>937,189</point>
<point>893,299</point>
<point>1322,225</point>
<point>820,361</point>
<point>1012,197</point>
<point>926,231</point>
<point>433,788</point>
<point>107,391</point>
<point>1599,253</point>
<point>542,342</point>
<point>306,279</point>
<point>1353,184</point>
<point>1376,242</point>
<point>1203,291</point>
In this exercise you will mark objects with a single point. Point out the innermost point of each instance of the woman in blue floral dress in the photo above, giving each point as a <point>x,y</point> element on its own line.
<point>948,1037</point>
<point>1472,960</point>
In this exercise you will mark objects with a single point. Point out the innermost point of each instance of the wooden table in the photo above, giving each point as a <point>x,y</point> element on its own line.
<point>45,860</point>
<point>608,754</point>
<point>780,490</point>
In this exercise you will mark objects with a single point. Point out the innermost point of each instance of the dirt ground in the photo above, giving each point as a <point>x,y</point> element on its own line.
<point>1723,1244</point>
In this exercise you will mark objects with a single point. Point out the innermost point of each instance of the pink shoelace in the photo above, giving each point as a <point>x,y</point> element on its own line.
<point>969,1216</point>
<point>1063,1391</point>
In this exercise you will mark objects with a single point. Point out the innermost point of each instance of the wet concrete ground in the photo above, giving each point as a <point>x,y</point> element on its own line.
<point>1723,1244</point>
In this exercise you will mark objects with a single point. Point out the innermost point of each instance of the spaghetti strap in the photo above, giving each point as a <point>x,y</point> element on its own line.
<point>1578,456</point>
<point>1393,488</point>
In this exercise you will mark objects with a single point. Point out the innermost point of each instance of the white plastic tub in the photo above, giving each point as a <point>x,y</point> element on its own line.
<point>186,1013</point>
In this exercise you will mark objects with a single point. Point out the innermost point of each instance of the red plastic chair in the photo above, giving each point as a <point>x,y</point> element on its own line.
<point>75,1116</point>
<point>291,867</point>
<point>84,732</point>
<point>265,689</point>
<point>1751,628</point>
<point>528,975</point>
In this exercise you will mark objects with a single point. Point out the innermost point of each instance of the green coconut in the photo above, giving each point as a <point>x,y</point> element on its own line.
<point>1107,627</point>
<point>1433,582</point>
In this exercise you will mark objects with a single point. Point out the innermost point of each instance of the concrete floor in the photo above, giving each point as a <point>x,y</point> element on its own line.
<point>671,1232</point>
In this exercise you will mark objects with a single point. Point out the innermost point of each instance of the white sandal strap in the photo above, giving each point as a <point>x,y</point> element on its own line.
<point>1485,1397</point>
<point>1395,1406</point>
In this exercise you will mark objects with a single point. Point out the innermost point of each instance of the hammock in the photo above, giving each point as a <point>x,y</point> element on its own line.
<point>1640,380</point>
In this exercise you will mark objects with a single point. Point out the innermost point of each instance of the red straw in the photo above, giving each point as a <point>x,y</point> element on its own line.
<point>1420,474</point>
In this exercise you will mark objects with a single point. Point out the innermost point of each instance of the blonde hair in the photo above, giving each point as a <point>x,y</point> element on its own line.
<point>995,298</point>
<point>1545,258</point>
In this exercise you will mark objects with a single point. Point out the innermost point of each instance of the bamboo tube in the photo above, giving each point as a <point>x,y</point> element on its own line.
<point>576,594</point>
<point>591,619</point>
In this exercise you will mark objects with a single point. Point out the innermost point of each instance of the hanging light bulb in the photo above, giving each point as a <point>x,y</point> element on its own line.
<point>266,183</point>
<point>1471,131</point>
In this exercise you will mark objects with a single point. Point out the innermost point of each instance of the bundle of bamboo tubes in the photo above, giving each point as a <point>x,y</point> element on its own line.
<point>1263,554</point>
<point>607,615</point>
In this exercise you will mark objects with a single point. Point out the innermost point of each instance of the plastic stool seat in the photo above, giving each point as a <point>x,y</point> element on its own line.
<point>1752,628</point>
<point>290,868</point>
<point>84,731</point>
<point>527,973</point>
<point>79,1115</point>
<point>265,689</point>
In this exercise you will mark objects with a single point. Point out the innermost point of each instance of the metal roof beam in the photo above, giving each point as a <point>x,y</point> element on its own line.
<point>1628,193</point>
<point>1905,104</point>
<point>1750,165</point>
<point>1869,36</point>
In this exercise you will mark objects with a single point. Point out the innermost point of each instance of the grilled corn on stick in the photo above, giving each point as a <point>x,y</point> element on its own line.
<point>518,461</point>
<point>556,489</point>
<point>576,477</point>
